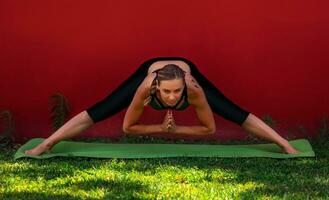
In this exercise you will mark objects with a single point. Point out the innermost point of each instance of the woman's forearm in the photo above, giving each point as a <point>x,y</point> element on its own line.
<point>144,129</point>
<point>193,130</point>
<point>141,129</point>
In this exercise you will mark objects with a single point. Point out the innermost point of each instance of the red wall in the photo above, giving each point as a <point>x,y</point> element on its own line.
<point>270,57</point>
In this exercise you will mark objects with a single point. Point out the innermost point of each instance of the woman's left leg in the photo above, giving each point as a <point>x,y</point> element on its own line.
<point>120,97</point>
<point>224,107</point>
<point>256,126</point>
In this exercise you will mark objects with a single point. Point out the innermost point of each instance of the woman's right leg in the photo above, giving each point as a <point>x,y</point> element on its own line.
<point>119,99</point>
<point>219,103</point>
<point>71,128</point>
<point>224,107</point>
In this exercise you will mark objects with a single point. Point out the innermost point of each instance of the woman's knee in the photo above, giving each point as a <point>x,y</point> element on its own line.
<point>85,117</point>
<point>245,119</point>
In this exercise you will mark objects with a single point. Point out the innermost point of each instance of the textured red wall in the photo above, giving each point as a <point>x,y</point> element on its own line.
<point>269,57</point>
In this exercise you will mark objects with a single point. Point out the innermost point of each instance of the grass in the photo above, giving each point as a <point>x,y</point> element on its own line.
<point>165,178</point>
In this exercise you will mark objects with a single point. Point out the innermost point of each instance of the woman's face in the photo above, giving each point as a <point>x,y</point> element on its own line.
<point>171,91</point>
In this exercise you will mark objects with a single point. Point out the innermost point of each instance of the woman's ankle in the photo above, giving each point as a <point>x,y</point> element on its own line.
<point>49,143</point>
<point>284,143</point>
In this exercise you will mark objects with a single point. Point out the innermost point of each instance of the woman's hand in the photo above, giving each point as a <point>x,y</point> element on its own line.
<point>171,124</point>
<point>168,124</point>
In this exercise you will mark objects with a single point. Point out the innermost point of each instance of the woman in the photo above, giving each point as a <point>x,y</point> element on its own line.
<point>171,83</point>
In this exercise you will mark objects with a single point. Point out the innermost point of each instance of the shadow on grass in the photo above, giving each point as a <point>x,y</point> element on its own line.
<point>36,196</point>
<point>295,177</point>
<point>109,194</point>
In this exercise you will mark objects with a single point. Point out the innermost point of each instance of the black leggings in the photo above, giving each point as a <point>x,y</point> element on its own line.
<point>121,97</point>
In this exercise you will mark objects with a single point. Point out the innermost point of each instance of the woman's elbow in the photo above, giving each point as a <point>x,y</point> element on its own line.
<point>126,130</point>
<point>212,129</point>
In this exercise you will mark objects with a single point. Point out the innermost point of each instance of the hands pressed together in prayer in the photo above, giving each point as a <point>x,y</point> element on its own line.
<point>168,124</point>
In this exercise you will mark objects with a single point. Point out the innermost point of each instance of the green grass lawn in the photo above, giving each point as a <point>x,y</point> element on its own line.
<point>165,178</point>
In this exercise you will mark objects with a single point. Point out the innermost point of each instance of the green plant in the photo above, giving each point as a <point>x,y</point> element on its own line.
<point>323,133</point>
<point>269,120</point>
<point>291,133</point>
<point>6,136</point>
<point>324,126</point>
<point>303,130</point>
<point>59,110</point>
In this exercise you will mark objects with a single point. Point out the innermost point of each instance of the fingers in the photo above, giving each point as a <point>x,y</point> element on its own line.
<point>170,113</point>
<point>170,116</point>
<point>169,121</point>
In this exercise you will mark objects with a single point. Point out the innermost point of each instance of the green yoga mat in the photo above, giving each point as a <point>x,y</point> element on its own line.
<point>132,150</point>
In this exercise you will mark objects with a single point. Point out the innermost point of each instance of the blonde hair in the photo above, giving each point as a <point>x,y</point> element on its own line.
<point>168,72</point>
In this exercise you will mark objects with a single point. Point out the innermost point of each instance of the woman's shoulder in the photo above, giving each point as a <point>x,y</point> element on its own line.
<point>193,87</point>
<point>195,92</point>
<point>145,86</point>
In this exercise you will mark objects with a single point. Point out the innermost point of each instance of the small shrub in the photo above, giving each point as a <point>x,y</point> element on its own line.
<point>267,119</point>
<point>323,133</point>
<point>8,125</point>
<point>59,110</point>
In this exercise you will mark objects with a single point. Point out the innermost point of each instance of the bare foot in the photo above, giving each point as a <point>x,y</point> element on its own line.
<point>43,147</point>
<point>290,150</point>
